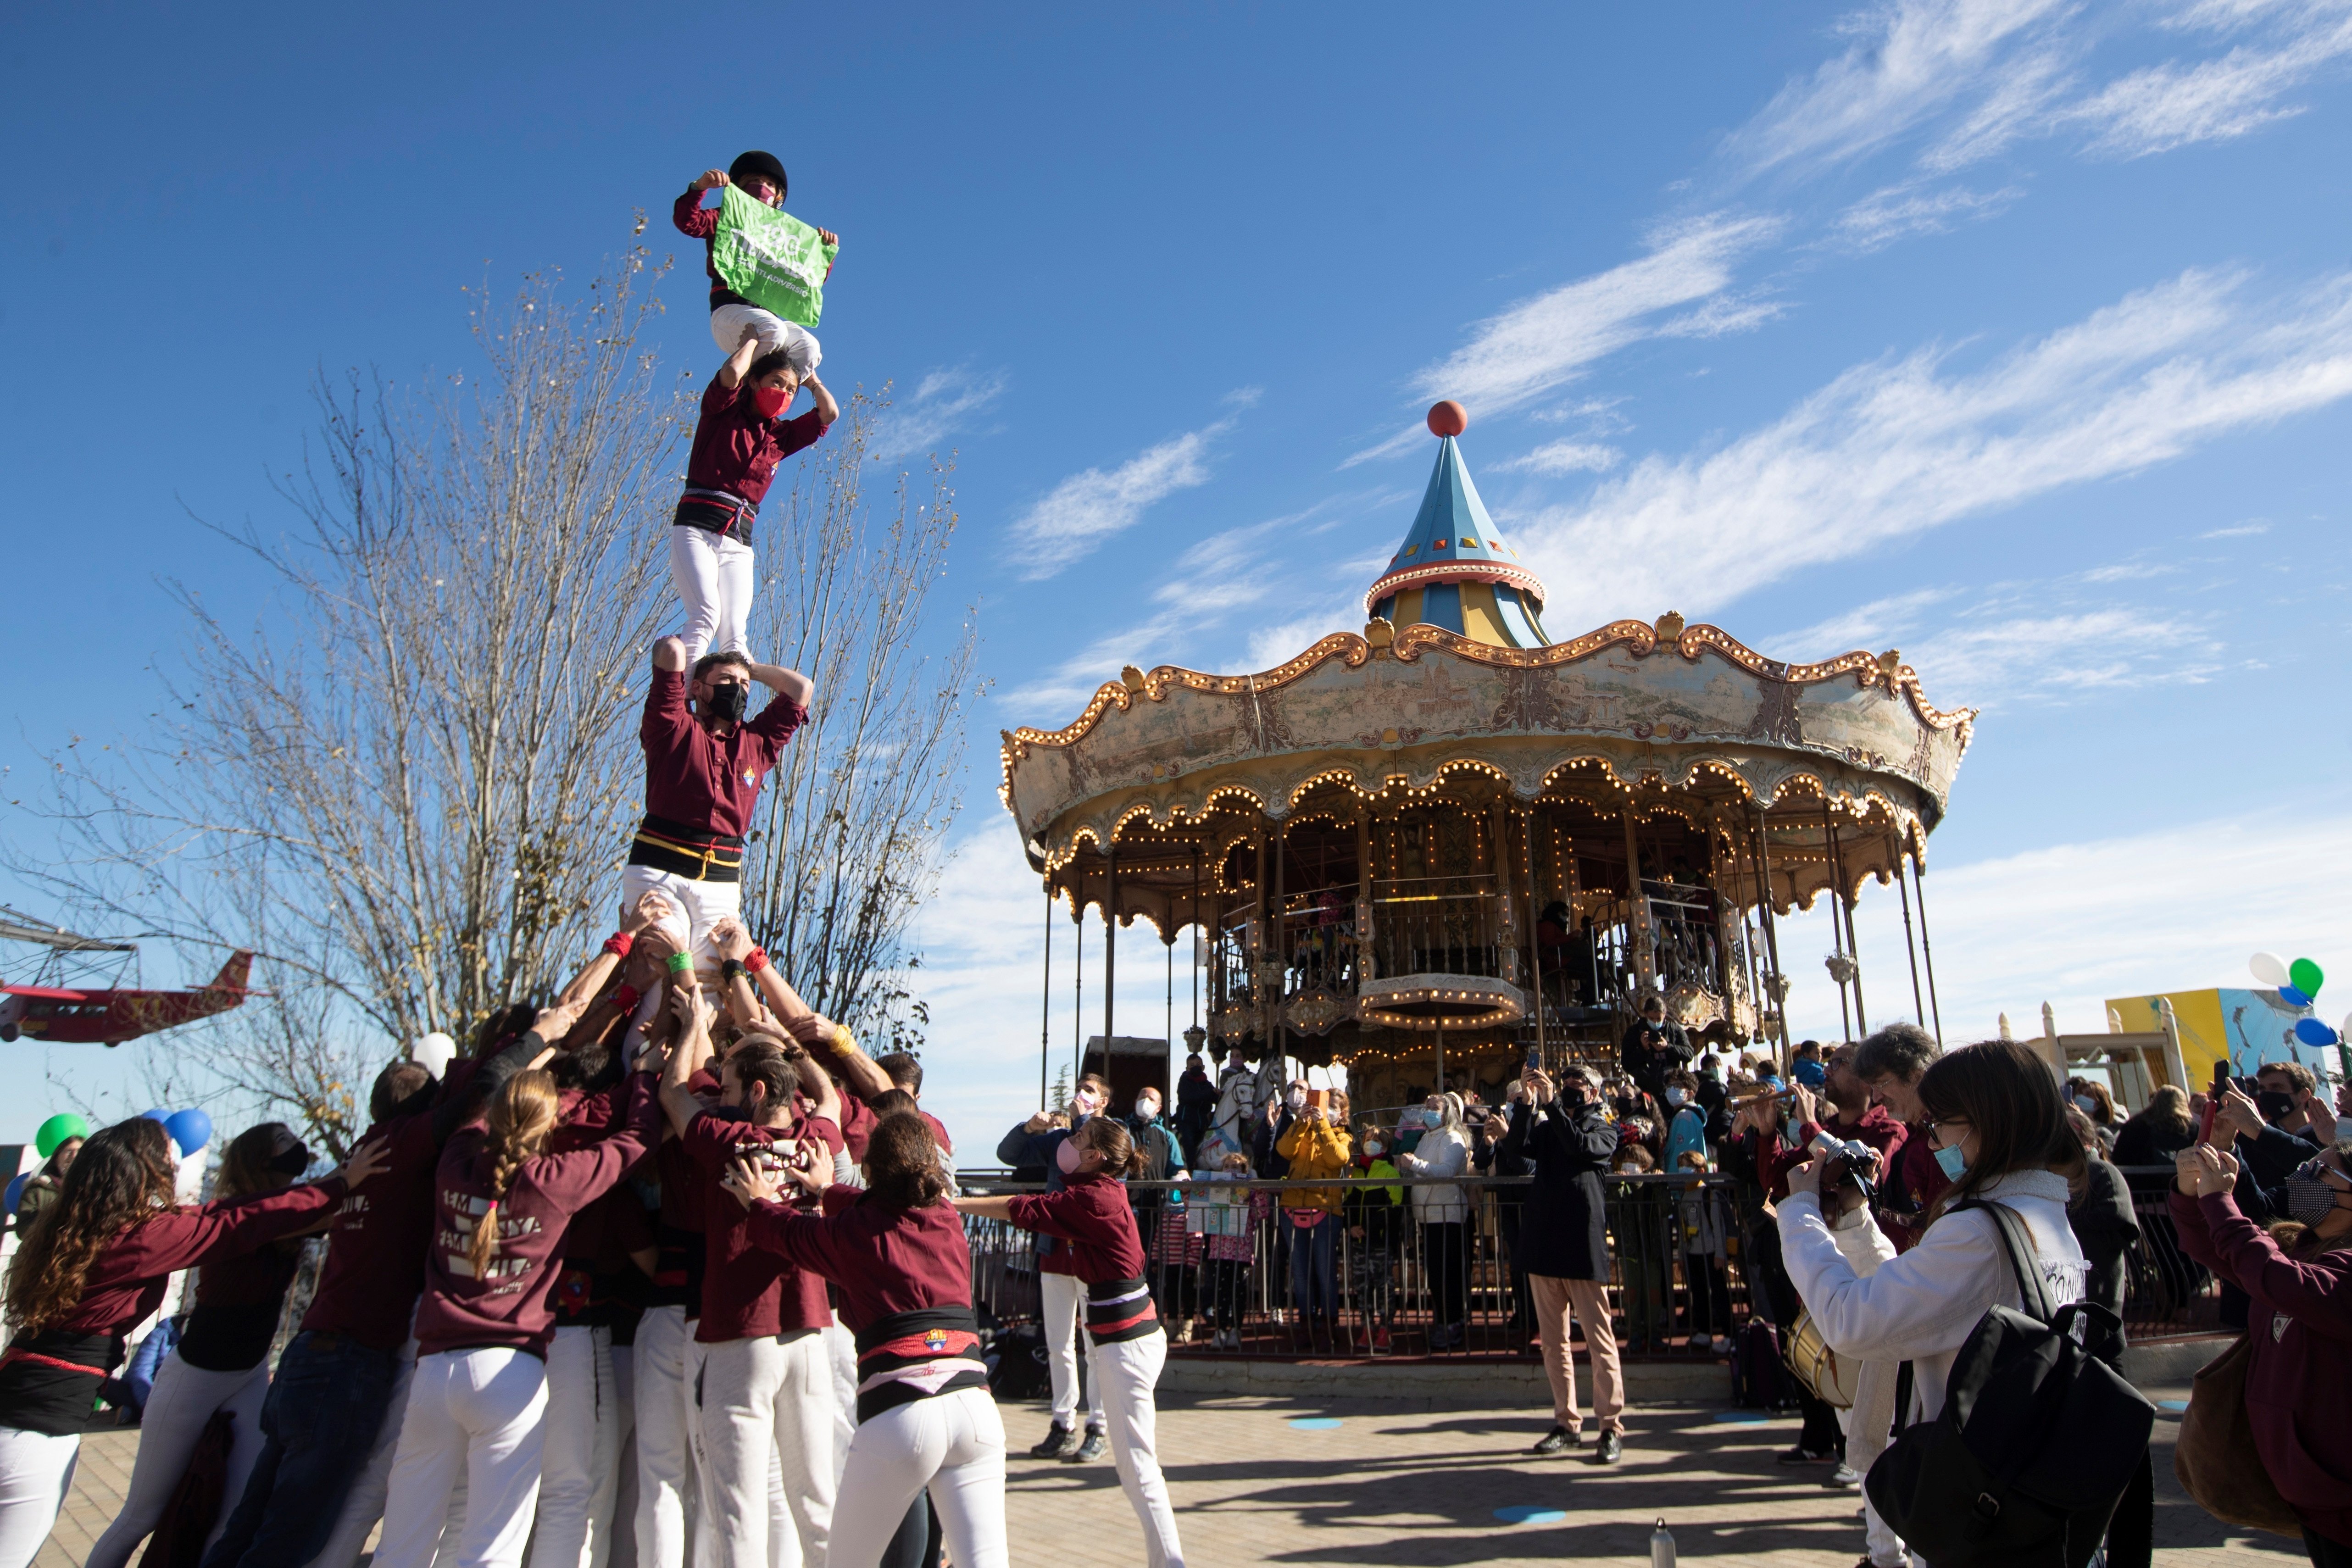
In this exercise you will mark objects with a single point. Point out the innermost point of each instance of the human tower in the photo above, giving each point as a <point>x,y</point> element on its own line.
<point>665,1272</point>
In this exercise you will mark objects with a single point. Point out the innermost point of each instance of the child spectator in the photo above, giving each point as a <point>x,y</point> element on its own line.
<point>1375,1217</point>
<point>1228,1216</point>
<point>1808,1068</point>
<point>760,176</point>
<point>1703,1222</point>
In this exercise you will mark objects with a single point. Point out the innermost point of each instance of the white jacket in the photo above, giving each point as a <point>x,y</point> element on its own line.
<point>1442,1151</point>
<point>1922,1306</point>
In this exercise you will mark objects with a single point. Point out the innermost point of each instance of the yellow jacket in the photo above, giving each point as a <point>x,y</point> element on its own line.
<point>1314,1149</point>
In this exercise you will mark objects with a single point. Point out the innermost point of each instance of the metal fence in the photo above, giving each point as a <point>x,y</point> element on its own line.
<point>1236,1268</point>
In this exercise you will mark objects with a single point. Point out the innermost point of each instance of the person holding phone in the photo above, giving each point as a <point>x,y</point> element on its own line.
<point>1564,1245</point>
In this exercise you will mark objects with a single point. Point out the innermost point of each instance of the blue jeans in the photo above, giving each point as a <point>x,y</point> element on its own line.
<point>1313,1290</point>
<point>325,1410</point>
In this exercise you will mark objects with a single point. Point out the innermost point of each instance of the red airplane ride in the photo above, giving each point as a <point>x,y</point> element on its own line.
<point>64,1014</point>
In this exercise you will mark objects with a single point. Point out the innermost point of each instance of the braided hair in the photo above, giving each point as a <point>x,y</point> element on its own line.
<point>522,1117</point>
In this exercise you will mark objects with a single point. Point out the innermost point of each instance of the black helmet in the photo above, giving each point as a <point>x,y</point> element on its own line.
<point>765,165</point>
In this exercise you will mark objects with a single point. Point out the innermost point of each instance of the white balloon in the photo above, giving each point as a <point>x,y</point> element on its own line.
<point>2270,969</point>
<point>434,1053</point>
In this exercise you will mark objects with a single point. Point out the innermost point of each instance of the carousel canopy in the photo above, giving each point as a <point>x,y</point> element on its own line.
<point>1456,570</point>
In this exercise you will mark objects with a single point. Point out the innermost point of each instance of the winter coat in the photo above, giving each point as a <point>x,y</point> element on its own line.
<point>1564,1219</point>
<point>1314,1148</point>
<point>1442,1151</point>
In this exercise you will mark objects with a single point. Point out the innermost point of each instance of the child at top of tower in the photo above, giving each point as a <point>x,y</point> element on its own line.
<point>739,437</point>
<point>760,176</point>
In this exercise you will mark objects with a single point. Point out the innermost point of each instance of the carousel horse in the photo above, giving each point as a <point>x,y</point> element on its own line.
<point>1243,1098</point>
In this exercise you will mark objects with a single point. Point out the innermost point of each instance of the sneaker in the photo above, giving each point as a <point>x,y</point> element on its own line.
<point>1800,1455</point>
<point>1559,1440</point>
<point>1845,1477</point>
<point>1612,1448</point>
<point>1060,1444</point>
<point>1087,1452</point>
<point>1380,1337</point>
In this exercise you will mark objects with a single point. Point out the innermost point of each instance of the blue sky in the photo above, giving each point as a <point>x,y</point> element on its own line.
<point>2017,336</point>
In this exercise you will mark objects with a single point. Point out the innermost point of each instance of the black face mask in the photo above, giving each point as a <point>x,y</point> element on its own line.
<point>729,700</point>
<point>292,1162</point>
<point>2274,1104</point>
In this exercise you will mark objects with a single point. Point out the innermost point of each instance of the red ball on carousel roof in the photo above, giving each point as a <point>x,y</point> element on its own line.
<point>1448,418</point>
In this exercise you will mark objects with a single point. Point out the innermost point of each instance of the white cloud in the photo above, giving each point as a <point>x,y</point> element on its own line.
<point>1564,458</point>
<point>1893,449</point>
<point>919,423</point>
<point>1909,62</point>
<point>2242,530</point>
<point>2173,105</point>
<point>1898,212</point>
<point>1086,508</point>
<point>2075,924</point>
<point>1542,344</point>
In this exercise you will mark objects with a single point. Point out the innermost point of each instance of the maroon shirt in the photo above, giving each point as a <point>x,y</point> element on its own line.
<point>736,448</point>
<point>509,1308</point>
<point>1913,1188</point>
<point>127,1280</point>
<point>375,1252</point>
<point>698,222</point>
<point>884,1260</point>
<point>238,1302</point>
<point>748,1292</point>
<point>702,781</point>
<point>938,1134</point>
<point>2299,1337</point>
<point>1092,1215</point>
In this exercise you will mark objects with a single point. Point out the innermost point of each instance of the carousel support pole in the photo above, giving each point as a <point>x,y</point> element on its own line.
<point>1281,946</point>
<point>1535,931</point>
<point>1197,930</point>
<point>1045,1007</point>
<point>1079,982</point>
<point>1110,942</point>
<point>1171,941</point>
<point>1637,907</point>
<point>1926,946</point>
<point>1441,1059</point>
<point>1848,896</point>
<point>1837,930</point>
<point>1772,927</point>
<point>1364,891</point>
<point>1910,949</point>
<point>1258,947</point>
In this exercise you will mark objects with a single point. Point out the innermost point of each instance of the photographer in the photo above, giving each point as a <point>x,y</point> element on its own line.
<point>1654,1047</point>
<point>2000,1136</point>
<point>1564,1244</point>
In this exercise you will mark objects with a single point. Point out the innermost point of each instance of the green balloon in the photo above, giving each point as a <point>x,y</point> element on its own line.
<point>56,1130</point>
<point>2304,976</point>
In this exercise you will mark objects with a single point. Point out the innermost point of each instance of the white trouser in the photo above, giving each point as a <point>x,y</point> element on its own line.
<point>800,345</point>
<point>695,908</point>
<point>481,1414</point>
<point>951,1444</point>
<point>841,1346</point>
<point>178,1408</point>
<point>668,1438</point>
<point>36,1472</point>
<point>613,1539</point>
<point>716,577</point>
<point>1865,1438</point>
<point>575,1466</point>
<point>767,1402</point>
<point>1125,1373</point>
<point>363,1504</point>
<point>1066,1300</point>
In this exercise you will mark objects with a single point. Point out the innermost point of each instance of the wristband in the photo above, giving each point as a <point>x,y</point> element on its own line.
<point>756,960</point>
<point>843,1040</point>
<point>730,970</point>
<point>625,997</point>
<point>680,962</point>
<point>619,943</point>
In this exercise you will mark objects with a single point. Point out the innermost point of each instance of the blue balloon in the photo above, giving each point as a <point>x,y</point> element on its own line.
<point>157,1114</point>
<point>191,1129</point>
<point>2294,998</point>
<point>2311,1032</point>
<point>15,1191</point>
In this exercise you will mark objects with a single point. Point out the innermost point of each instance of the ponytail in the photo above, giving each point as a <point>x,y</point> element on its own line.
<point>521,1116</point>
<point>1109,1137</point>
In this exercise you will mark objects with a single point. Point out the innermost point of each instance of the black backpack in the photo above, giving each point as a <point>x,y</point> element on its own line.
<point>2036,1440</point>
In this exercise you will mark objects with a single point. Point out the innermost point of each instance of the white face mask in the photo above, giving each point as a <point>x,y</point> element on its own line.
<point>1674,1096</point>
<point>1295,1099</point>
<point>1147,1109</point>
<point>1373,1146</point>
<point>1085,1102</point>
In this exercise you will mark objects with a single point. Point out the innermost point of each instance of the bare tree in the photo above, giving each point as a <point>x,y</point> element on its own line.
<point>848,836</point>
<point>410,786</point>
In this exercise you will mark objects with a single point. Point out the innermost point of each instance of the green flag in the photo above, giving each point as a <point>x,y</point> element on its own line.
<point>770,258</point>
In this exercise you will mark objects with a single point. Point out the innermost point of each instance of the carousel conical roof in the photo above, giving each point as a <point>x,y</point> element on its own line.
<point>1457,571</point>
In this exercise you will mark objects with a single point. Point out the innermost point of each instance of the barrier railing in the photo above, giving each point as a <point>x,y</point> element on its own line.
<point>1234,1272</point>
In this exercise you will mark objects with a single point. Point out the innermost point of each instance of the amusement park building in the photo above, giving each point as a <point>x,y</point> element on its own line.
<point>1424,848</point>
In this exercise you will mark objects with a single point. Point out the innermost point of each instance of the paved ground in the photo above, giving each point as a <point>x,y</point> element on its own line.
<point>1392,1486</point>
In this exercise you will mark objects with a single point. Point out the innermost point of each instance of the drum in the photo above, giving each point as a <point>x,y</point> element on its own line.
<point>1833,1378</point>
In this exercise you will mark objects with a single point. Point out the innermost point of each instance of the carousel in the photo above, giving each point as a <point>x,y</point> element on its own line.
<point>1427,849</point>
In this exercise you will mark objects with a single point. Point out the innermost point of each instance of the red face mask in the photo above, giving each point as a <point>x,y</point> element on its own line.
<point>771,401</point>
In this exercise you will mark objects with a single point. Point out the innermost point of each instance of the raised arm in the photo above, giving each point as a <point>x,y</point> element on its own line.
<point>786,683</point>
<point>690,216</point>
<point>687,1057</point>
<point>827,410</point>
<point>738,364</point>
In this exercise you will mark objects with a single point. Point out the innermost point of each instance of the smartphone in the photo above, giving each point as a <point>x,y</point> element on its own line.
<point>2213,1093</point>
<point>1320,1099</point>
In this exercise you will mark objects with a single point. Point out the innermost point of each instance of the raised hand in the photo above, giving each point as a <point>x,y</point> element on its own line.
<point>2238,1113</point>
<point>730,939</point>
<point>365,1161</point>
<point>711,179</point>
<point>751,1181</point>
<point>650,910</point>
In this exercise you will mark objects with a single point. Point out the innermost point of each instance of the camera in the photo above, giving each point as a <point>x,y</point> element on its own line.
<point>1846,1161</point>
